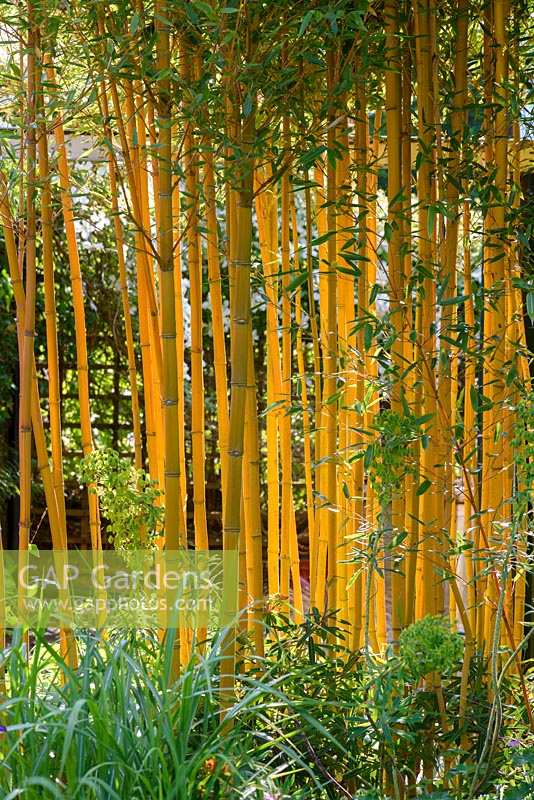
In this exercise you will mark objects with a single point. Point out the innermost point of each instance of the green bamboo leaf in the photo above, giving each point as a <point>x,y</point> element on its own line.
<point>247,105</point>
<point>423,419</point>
<point>374,293</point>
<point>354,271</point>
<point>306,19</point>
<point>423,487</point>
<point>333,398</point>
<point>206,9</point>
<point>452,301</point>
<point>297,281</point>
<point>134,23</point>
<point>272,407</point>
<point>324,238</point>
<point>353,256</point>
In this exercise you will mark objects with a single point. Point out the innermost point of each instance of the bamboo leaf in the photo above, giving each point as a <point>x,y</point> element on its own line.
<point>423,487</point>
<point>423,419</point>
<point>374,293</point>
<point>306,19</point>
<point>247,105</point>
<point>324,238</point>
<point>354,271</point>
<point>134,23</point>
<point>333,398</point>
<point>272,407</point>
<point>452,301</point>
<point>353,256</point>
<point>297,281</point>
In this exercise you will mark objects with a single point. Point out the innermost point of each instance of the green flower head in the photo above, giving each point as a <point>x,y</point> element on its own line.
<point>429,645</point>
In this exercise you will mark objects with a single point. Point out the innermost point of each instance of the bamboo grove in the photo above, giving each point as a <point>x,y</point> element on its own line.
<point>341,182</point>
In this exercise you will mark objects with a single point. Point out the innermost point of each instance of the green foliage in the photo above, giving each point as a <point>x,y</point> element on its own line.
<point>9,354</point>
<point>391,456</point>
<point>429,645</point>
<point>523,443</point>
<point>307,723</point>
<point>361,719</point>
<point>127,499</point>
<point>8,480</point>
<point>116,728</point>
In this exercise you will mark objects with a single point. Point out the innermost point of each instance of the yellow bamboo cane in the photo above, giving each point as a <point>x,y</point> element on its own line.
<point>266,214</point>
<point>194,257</point>
<point>396,279</point>
<point>317,388</point>
<point>488,78</point>
<point>428,505</point>
<point>54,392</point>
<point>240,312</point>
<point>252,509</point>
<point>318,565</point>
<point>366,280</point>
<point>174,518</point>
<point>216,303</point>
<point>448,356</point>
<point>57,527</point>
<point>471,532</point>
<point>288,542</point>
<point>136,102</point>
<point>145,296</point>
<point>78,304</point>
<point>377,602</point>
<point>516,313</point>
<point>27,324</point>
<point>411,481</point>
<point>350,486</point>
<point>123,280</point>
<point>304,399</point>
<point>494,268</point>
<point>180,348</point>
<point>327,539</point>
